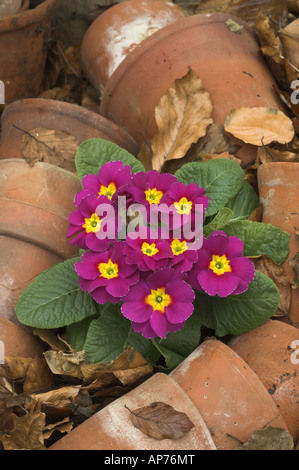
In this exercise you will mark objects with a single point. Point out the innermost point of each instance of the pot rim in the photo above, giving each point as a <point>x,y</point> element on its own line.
<point>25,18</point>
<point>156,38</point>
<point>75,111</point>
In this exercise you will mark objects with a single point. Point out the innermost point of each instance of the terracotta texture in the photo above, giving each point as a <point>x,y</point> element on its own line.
<point>117,31</point>
<point>279,194</point>
<point>227,393</point>
<point>18,342</point>
<point>111,428</point>
<point>270,351</point>
<point>25,39</point>
<point>34,207</point>
<point>229,65</point>
<point>10,7</point>
<point>51,114</point>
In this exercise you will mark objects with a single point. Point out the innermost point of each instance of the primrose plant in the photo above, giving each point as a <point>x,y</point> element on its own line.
<point>160,256</point>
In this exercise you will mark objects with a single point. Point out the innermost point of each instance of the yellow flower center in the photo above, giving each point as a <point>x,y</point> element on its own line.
<point>183,206</point>
<point>108,270</point>
<point>158,299</point>
<point>107,191</point>
<point>93,224</point>
<point>178,247</point>
<point>148,249</point>
<point>220,265</point>
<point>153,196</point>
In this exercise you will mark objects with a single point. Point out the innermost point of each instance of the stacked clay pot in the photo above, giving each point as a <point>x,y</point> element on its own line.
<point>229,64</point>
<point>34,207</point>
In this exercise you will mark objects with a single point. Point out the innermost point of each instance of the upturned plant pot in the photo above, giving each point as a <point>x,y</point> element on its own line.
<point>34,207</point>
<point>279,194</point>
<point>25,39</point>
<point>17,342</point>
<point>117,31</point>
<point>229,65</point>
<point>112,429</point>
<point>26,115</point>
<point>228,394</point>
<point>270,351</point>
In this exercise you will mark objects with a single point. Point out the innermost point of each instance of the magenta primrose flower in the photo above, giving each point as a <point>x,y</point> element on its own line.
<point>159,303</point>
<point>147,249</point>
<point>112,178</point>
<point>94,223</point>
<point>106,275</point>
<point>221,268</point>
<point>189,204</point>
<point>149,187</point>
<point>183,256</point>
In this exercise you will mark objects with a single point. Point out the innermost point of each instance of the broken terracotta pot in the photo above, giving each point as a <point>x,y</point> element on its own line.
<point>228,394</point>
<point>25,39</point>
<point>34,207</point>
<point>228,63</point>
<point>117,31</point>
<point>112,429</point>
<point>18,342</point>
<point>270,351</point>
<point>279,194</point>
<point>26,115</point>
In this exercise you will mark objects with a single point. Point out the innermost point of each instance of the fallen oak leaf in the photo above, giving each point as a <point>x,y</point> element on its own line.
<point>260,125</point>
<point>161,421</point>
<point>182,115</point>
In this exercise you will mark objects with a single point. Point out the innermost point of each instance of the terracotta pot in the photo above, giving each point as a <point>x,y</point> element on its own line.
<point>117,31</point>
<point>10,7</point>
<point>37,112</point>
<point>25,39</point>
<point>269,350</point>
<point>279,194</point>
<point>229,65</point>
<point>112,429</point>
<point>18,342</point>
<point>227,393</point>
<point>34,207</point>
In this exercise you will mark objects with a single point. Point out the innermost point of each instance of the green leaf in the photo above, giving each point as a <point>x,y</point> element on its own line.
<point>237,314</point>
<point>110,334</point>
<point>260,239</point>
<point>222,179</point>
<point>54,299</point>
<point>77,332</point>
<point>177,346</point>
<point>94,153</point>
<point>244,203</point>
<point>219,221</point>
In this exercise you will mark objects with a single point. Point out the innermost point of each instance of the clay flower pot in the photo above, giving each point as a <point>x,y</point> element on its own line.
<point>269,350</point>
<point>228,394</point>
<point>34,207</point>
<point>115,33</point>
<point>81,123</point>
<point>279,194</point>
<point>112,429</point>
<point>10,7</point>
<point>18,342</point>
<point>24,41</point>
<point>229,65</point>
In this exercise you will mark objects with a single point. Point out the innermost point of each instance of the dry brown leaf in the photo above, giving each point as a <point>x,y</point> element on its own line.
<point>161,421</point>
<point>279,276</point>
<point>64,426</point>
<point>269,439</point>
<point>182,116</point>
<point>268,155</point>
<point>294,263</point>
<point>259,126</point>
<point>270,42</point>
<point>26,433</point>
<point>289,37</point>
<point>215,156</point>
<point>50,146</point>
